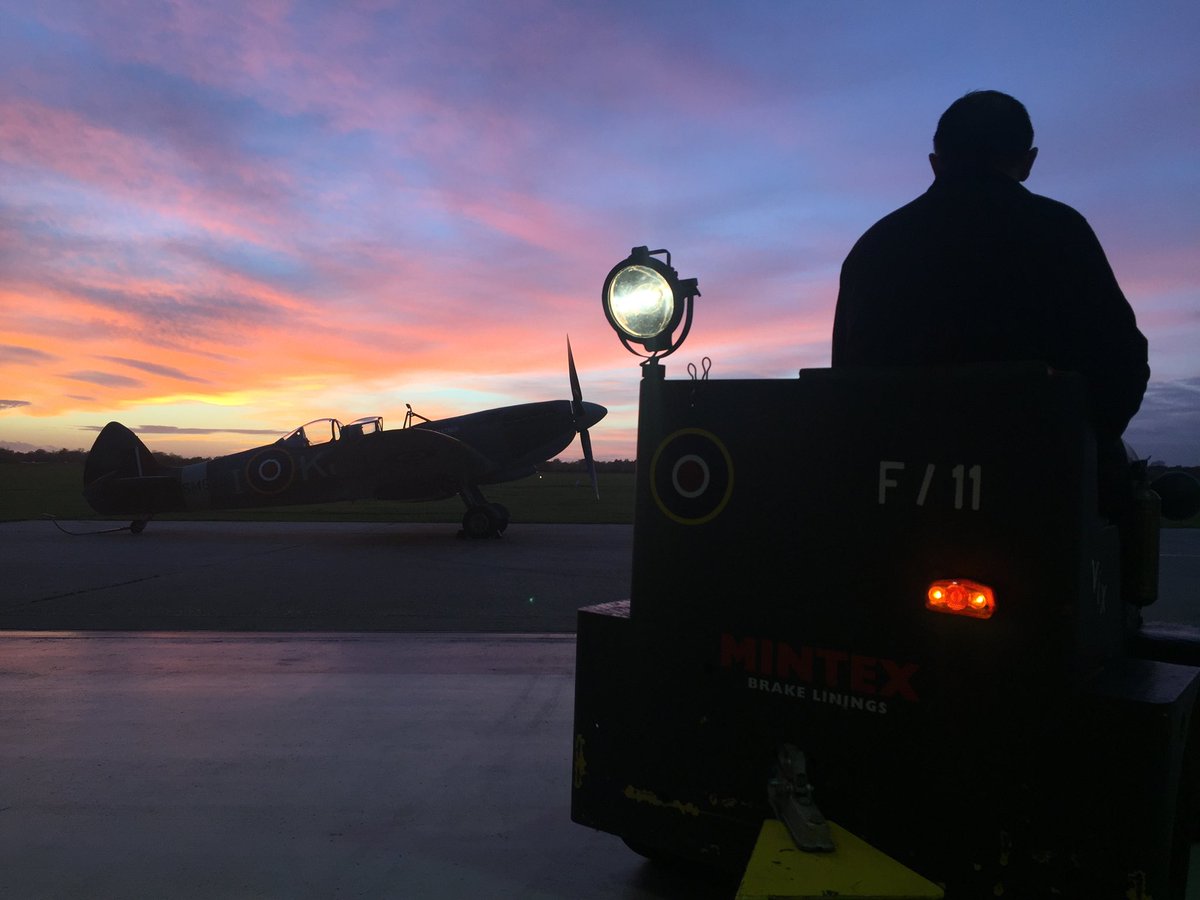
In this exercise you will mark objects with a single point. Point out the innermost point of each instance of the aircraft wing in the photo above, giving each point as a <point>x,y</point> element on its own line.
<point>412,464</point>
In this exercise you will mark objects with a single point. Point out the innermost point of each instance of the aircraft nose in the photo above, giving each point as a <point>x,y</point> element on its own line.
<point>592,413</point>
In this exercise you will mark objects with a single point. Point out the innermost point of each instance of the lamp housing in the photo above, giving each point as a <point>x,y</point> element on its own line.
<point>645,301</point>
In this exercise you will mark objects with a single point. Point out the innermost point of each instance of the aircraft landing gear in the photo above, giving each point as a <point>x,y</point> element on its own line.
<point>137,526</point>
<point>483,520</point>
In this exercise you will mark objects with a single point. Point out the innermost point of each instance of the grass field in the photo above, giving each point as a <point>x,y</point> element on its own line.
<point>29,490</point>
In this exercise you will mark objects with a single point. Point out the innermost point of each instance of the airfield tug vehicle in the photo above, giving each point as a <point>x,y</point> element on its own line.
<point>880,641</point>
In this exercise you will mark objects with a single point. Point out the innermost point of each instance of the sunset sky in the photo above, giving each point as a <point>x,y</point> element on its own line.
<point>221,219</point>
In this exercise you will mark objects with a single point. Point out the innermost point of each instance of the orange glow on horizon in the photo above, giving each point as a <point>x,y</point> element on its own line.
<point>243,220</point>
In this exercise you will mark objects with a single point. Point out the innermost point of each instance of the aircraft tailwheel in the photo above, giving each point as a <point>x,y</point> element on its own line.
<point>481,522</point>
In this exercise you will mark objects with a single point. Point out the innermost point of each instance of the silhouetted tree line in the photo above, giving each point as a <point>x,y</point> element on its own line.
<point>78,456</point>
<point>173,459</point>
<point>42,456</point>
<point>578,465</point>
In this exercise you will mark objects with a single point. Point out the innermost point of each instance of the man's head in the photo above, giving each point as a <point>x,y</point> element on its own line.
<point>984,131</point>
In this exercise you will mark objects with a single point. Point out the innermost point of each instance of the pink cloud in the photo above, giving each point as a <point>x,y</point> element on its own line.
<point>386,193</point>
<point>127,168</point>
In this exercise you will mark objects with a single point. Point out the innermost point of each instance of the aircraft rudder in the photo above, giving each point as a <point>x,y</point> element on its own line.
<point>118,451</point>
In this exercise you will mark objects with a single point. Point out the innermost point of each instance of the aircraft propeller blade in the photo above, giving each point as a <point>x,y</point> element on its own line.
<point>585,439</point>
<point>576,390</point>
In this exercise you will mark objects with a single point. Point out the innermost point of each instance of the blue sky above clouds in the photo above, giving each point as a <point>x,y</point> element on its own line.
<point>229,217</point>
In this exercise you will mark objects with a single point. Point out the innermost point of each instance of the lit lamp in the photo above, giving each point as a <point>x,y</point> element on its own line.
<point>645,301</point>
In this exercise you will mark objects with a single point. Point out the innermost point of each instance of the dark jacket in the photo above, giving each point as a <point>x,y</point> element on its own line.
<point>978,269</point>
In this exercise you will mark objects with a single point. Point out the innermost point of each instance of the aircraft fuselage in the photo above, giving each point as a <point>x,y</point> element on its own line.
<point>429,461</point>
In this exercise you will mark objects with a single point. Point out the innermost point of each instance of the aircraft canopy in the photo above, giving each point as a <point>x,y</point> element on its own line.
<point>324,431</point>
<point>318,431</point>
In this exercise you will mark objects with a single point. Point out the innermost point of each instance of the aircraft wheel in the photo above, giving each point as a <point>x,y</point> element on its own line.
<point>501,513</point>
<point>480,522</point>
<point>137,526</point>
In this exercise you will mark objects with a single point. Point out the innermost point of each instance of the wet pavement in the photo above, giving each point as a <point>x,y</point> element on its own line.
<point>283,576</point>
<point>218,765</point>
<point>382,757</point>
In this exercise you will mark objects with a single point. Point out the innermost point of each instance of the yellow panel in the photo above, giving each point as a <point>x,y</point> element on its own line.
<point>779,871</point>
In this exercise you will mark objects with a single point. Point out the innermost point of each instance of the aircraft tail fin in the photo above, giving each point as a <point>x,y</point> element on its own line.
<point>122,476</point>
<point>119,453</point>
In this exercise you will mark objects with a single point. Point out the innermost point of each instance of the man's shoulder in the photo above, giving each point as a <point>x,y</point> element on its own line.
<point>898,221</point>
<point>898,218</point>
<point>937,205</point>
<point>1051,208</point>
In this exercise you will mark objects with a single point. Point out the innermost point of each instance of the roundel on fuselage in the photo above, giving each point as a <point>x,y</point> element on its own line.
<point>270,471</point>
<point>691,476</point>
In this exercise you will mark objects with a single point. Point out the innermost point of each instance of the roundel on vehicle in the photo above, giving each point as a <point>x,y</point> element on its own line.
<point>691,476</point>
<point>270,471</point>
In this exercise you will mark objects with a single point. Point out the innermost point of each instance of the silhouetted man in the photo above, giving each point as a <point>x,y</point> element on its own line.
<point>979,269</point>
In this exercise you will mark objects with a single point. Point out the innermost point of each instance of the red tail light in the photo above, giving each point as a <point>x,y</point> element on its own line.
<point>961,597</point>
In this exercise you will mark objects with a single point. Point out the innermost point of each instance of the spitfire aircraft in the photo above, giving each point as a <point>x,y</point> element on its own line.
<point>325,461</point>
